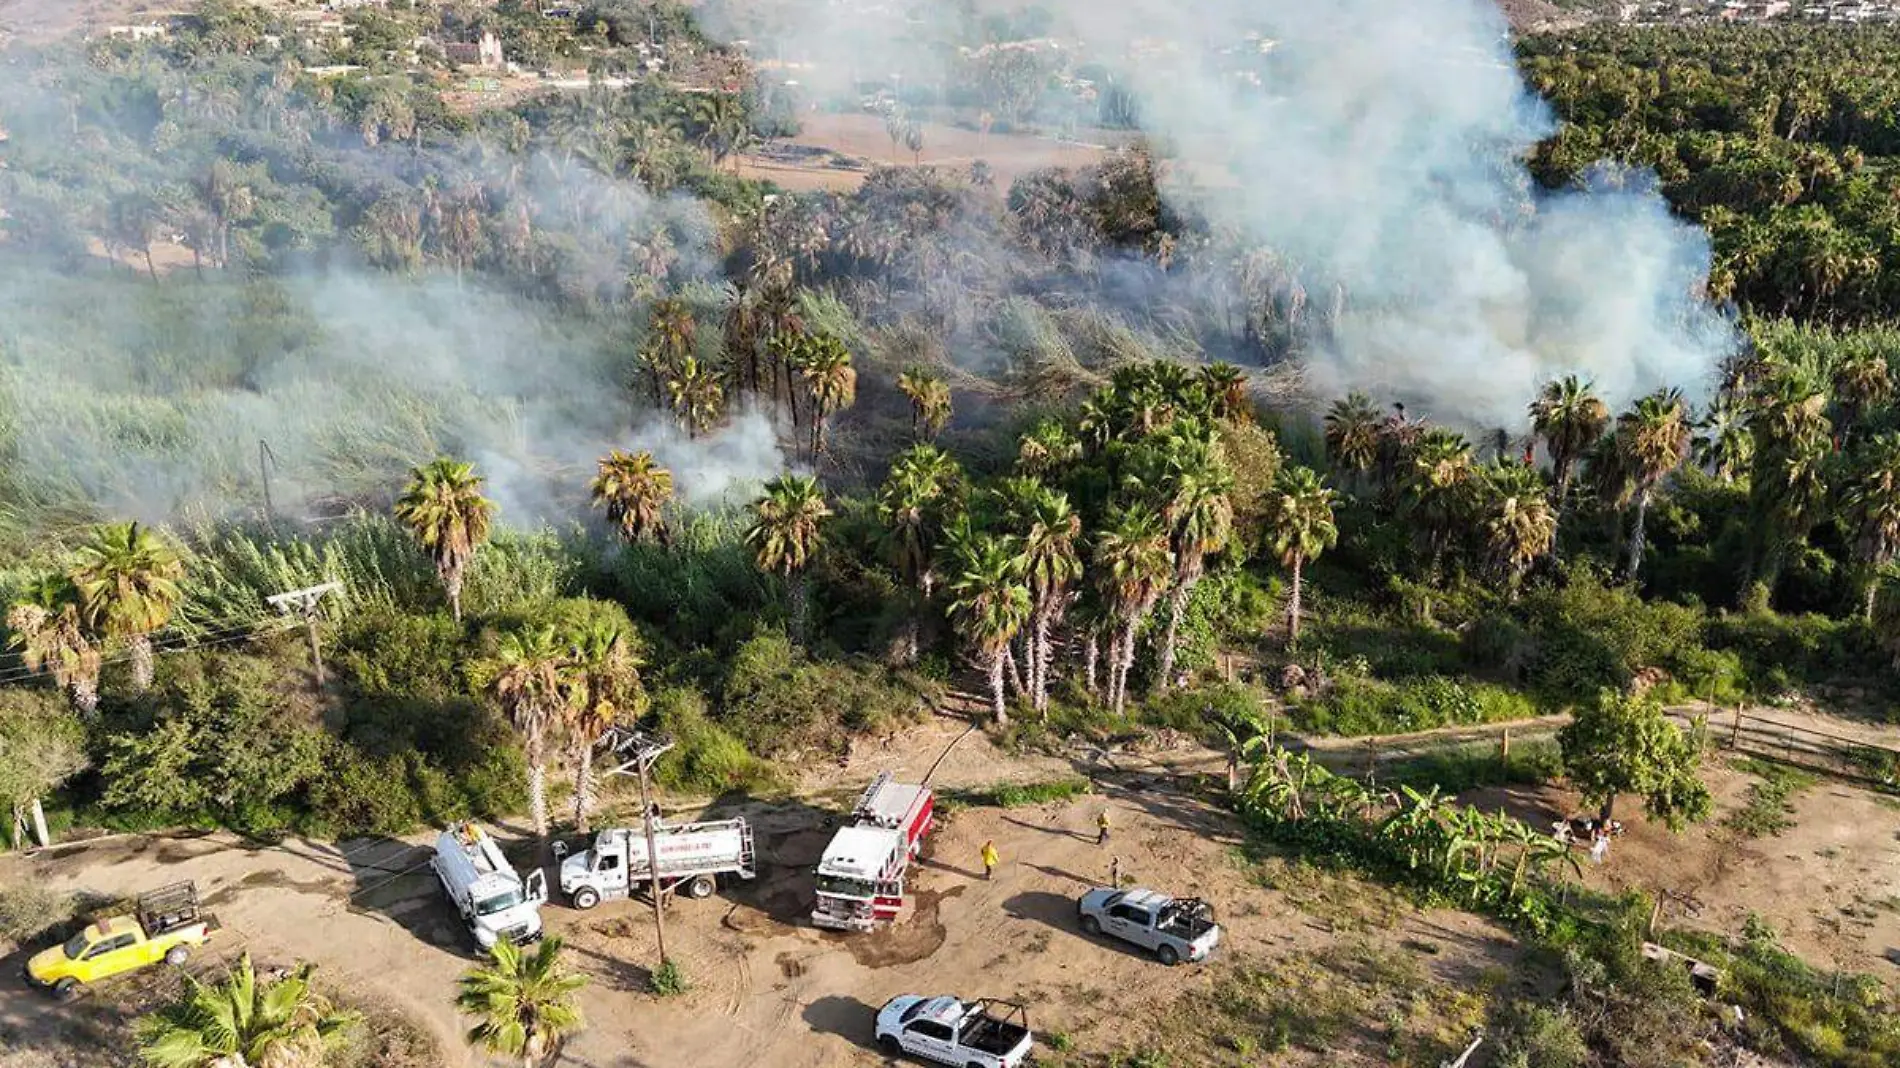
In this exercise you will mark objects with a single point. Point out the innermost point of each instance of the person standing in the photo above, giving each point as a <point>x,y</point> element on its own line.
<point>1101,827</point>
<point>989,860</point>
<point>1600,847</point>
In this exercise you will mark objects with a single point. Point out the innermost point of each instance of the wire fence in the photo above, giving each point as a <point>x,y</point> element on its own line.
<point>1837,754</point>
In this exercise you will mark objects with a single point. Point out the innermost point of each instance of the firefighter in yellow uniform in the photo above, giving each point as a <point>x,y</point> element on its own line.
<point>989,859</point>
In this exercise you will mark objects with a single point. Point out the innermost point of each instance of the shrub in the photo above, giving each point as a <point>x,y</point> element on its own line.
<point>1536,1036</point>
<point>28,911</point>
<point>705,758</point>
<point>667,980</point>
<point>1356,706</point>
<point>777,700</point>
<point>217,733</point>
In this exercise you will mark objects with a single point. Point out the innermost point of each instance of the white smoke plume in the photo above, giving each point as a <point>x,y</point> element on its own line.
<point>1379,143</point>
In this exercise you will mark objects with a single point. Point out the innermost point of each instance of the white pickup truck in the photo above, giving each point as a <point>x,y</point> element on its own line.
<point>979,1034</point>
<point>1174,929</point>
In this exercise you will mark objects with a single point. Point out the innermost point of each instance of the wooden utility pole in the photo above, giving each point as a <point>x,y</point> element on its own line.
<point>639,751</point>
<point>305,602</point>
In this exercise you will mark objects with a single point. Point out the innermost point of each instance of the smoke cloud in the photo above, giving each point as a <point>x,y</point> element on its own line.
<point>1377,148</point>
<point>171,399</point>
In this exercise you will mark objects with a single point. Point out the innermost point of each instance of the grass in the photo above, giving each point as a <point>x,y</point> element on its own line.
<point>1015,795</point>
<point>1459,768</point>
<point>1768,811</point>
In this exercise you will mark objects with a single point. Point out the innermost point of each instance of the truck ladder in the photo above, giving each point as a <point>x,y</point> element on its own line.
<point>746,868</point>
<point>863,812</point>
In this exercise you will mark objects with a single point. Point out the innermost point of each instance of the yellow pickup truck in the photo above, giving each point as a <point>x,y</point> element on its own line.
<point>164,926</point>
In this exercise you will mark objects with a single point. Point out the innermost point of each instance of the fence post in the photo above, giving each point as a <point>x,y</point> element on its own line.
<point>1505,747</point>
<point>1735,736</point>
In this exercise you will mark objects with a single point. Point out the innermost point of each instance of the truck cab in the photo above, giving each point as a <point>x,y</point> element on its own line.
<point>164,926</point>
<point>1173,929</point>
<point>495,901</point>
<point>980,1034</point>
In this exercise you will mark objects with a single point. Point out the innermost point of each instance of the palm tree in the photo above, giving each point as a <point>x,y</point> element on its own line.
<point>1570,417</point>
<point>523,1002</point>
<point>48,627</point>
<point>1723,444</point>
<point>1352,434</point>
<point>604,689</point>
<point>1651,440</point>
<point>671,332</point>
<point>913,504</point>
<point>1520,525</point>
<point>1049,560</point>
<point>1133,565</point>
<point>1299,522</point>
<point>635,492</point>
<point>698,398</point>
<point>1872,502</point>
<point>127,579</point>
<point>1436,487</point>
<point>1200,516</point>
<point>1226,387</point>
<point>831,381</point>
<point>1048,448</point>
<point>533,686</point>
<point>444,509</point>
<point>929,401</point>
<point>1863,383</point>
<point>785,534</point>
<point>244,1023</point>
<point>989,606</point>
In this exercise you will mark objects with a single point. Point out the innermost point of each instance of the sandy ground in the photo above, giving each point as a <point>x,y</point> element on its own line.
<point>1829,885</point>
<point>842,149</point>
<point>770,991</point>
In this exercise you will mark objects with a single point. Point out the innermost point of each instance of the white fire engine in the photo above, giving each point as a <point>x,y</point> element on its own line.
<point>861,877</point>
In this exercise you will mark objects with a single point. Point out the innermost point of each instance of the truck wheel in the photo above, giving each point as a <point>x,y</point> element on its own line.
<point>701,886</point>
<point>890,1044</point>
<point>1168,956</point>
<point>66,989</point>
<point>1091,925</point>
<point>586,897</point>
<point>176,955</point>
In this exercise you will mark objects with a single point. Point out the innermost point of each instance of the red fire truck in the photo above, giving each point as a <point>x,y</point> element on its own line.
<point>861,876</point>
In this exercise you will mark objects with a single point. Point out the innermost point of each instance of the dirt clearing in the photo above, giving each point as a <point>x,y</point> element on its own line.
<point>768,990</point>
<point>1829,882</point>
<point>834,151</point>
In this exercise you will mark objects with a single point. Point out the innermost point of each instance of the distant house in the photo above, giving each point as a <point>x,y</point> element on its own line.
<point>483,53</point>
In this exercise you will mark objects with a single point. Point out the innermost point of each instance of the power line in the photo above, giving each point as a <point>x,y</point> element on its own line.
<point>183,643</point>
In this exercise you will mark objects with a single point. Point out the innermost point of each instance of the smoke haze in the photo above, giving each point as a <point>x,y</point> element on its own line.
<point>1378,145</point>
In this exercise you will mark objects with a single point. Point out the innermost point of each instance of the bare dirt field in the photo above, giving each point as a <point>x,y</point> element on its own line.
<point>770,991</point>
<point>1829,884</point>
<point>835,151</point>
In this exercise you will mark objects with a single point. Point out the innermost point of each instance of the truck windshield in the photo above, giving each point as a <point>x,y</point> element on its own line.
<point>839,886</point>
<point>488,906</point>
<point>75,946</point>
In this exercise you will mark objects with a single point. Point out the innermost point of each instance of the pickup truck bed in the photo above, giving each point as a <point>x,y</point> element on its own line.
<point>992,1035</point>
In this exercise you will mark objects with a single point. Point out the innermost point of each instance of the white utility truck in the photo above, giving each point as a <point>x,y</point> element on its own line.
<point>494,900</point>
<point>692,858</point>
<point>977,1034</point>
